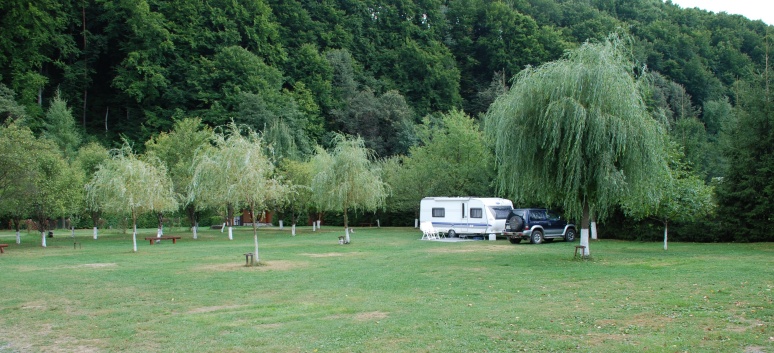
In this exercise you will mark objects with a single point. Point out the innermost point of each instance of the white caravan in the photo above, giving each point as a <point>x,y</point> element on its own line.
<point>463,216</point>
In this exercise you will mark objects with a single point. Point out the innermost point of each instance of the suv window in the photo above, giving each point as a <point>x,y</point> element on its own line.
<point>501,212</point>
<point>537,215</point>
<point>552,216</point>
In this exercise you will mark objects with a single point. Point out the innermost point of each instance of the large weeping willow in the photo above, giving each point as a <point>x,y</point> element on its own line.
<point>576,133</point>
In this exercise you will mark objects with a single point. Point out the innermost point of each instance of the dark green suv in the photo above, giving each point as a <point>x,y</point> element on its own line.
<point>537,225</point>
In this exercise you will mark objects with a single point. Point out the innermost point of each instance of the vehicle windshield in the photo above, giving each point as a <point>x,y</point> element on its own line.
<point>500,212</point>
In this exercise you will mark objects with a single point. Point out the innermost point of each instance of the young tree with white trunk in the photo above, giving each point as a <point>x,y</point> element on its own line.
<point>576,133</point>
<point>125,184</point>
<point>237,172</point>
<point>347,178</point>
<point>686,198</point>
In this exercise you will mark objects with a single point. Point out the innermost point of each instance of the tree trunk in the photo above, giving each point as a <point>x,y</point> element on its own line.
<point>293,230</point>
<point>43,238</point>
<point>160,230</point>
<point>17,227</point>
<point>346,226</point>
<point>190,212</point>
<point>593,228</point>
<point>134,231</point>
<point>256,259</point>
<point>281,224</point>
<point>95,222</point>
<point>666,230</point>
<point>584,235</point>
<point>230,221</point>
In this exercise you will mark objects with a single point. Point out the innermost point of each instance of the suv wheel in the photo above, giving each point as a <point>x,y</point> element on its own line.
<point>570,235</point>
<point>536,237</point>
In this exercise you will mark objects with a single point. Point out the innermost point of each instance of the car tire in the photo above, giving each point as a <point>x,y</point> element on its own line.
<point>536,237</point>
<point>451,234</point>
<point>514,240</point>
<point>515,223</point>
<point>569,236</point>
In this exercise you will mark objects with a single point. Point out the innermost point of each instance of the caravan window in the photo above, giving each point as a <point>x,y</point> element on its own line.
<point>476,213</point>
<point>439,212</point>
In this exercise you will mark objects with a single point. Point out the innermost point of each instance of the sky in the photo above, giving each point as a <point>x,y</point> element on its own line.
<point>752,9</point>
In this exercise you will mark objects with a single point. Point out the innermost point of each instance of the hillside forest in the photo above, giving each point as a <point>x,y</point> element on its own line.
<point>410,81</point>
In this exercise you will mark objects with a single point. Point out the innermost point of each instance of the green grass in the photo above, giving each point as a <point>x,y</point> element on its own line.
<point>386,292</point>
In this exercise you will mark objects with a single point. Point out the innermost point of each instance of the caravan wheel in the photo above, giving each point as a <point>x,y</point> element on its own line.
<point>451,234</point>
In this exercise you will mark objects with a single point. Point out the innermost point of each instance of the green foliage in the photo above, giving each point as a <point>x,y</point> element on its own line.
<point>575,133</point>
<point>385,122</point>
<point>747,190</point>
<point>59,127</point>
<point>19,173</point>
<point>452,159</point>
<point>10,110</point>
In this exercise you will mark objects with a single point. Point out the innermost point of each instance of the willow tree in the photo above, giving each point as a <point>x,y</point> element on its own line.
<point>347,178</point>
<point>237,172</point>
<point>575,133</point>
<point>125,184</point>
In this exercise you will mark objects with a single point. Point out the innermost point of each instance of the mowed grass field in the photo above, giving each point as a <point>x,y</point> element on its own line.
<point>388,291</point>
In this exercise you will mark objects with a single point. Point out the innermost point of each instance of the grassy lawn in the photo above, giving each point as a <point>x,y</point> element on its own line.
<point>386,292</point>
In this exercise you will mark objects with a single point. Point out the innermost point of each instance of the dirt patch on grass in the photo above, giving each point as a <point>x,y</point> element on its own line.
<point>330,254</point>
<point>103,265</point>
<point>373,315</point>
<point>210,309</point>
<point>467,249</point>
<point>280,265</point>
<point>367,316</point>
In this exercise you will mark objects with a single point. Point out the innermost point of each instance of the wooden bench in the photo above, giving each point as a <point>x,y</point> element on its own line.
<point>151,239</point>
<point>3,246</point>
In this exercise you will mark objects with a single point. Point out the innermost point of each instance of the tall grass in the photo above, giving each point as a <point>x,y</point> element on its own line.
<point>386,292</point>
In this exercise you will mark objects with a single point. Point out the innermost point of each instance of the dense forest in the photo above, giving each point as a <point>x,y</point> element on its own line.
<point>414,79</point>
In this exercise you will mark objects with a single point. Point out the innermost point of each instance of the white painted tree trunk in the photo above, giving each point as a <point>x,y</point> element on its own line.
<point>196,230</point>
<point>378,224</point>
<point>134,237</point>
<point>72,232</point>
<point>346,232</point>
<point>231,233</point>
<point>293,231</point>
<point>18,237</point>
<point>95,233</point>
<point>319,224</point>
<point>314,226</point>
<point>43,239</point>
<point>593,230</point>
<point>281,225</point>
<point>666,230</point>
<point>584,241</point>
<point>416,222</point>
<point>223,227</point>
